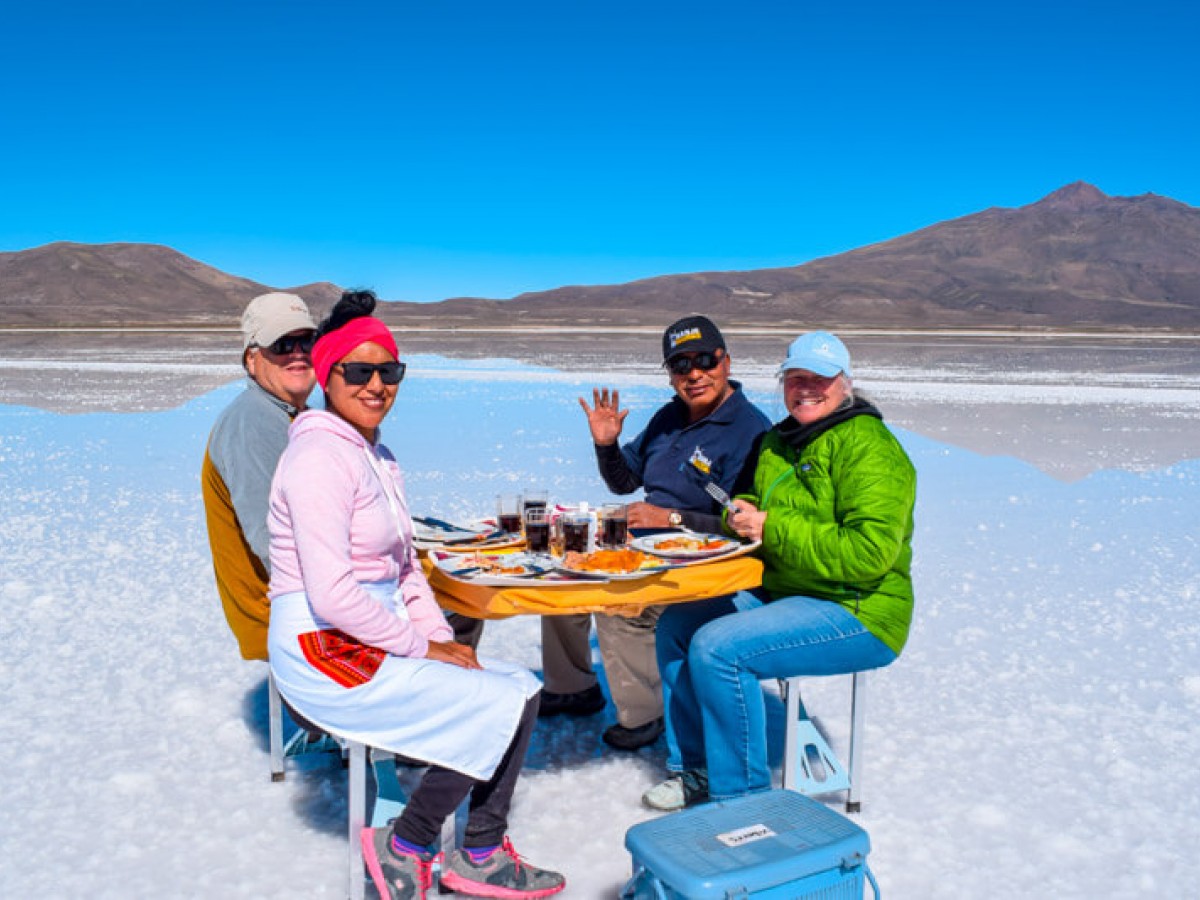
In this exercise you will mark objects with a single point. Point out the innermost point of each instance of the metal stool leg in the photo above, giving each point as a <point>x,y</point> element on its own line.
<point>858,713</point>
<point>275,727</point>
<point>791,699</point>
<point>357,787</point>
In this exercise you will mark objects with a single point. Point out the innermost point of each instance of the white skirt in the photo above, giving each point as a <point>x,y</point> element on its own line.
<point>460,719</point>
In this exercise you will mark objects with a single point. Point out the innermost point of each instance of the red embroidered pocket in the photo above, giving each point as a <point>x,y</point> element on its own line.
<point>347,661</point>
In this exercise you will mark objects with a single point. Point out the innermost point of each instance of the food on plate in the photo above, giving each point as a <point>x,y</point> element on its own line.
<point>696,545</point>
<point>607,562</point>
<point>495,565</point>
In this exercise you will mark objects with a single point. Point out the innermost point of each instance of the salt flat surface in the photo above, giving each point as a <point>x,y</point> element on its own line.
<point>1070,405</point>
<point>1036,739</point>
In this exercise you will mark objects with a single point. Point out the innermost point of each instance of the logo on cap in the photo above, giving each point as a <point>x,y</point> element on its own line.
<point>682,337</point>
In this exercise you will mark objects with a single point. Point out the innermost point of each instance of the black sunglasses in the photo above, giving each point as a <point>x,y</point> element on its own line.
<point>361,373</point>
<point>681,365</point>
<point>288,344</point>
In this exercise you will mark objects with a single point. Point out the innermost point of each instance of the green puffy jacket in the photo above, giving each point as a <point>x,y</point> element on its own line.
<point>840,522</point>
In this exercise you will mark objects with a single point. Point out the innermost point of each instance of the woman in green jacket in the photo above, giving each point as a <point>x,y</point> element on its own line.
<point>831,497</point>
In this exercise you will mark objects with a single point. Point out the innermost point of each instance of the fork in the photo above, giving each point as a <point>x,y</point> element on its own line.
<point>715,491</point>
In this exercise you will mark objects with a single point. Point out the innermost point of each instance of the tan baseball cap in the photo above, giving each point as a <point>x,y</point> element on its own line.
<point>270,316</point>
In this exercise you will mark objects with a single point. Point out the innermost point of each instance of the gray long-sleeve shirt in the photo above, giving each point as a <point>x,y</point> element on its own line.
<point>245,445</point>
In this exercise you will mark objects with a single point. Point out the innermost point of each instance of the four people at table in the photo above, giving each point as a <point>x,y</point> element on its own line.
<point>359,647</point>
<point>358,644</point>
<point>704,433</point>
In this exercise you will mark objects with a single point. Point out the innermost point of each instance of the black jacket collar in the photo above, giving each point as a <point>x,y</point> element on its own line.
<point>800,436</point>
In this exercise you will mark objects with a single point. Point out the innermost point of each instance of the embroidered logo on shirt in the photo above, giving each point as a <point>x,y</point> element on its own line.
<point>700,461</point>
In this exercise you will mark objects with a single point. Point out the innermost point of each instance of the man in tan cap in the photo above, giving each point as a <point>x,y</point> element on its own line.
<point>243,450</point>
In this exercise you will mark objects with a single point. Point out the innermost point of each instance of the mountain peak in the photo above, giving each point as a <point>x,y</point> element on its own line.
<point>1075,196</point>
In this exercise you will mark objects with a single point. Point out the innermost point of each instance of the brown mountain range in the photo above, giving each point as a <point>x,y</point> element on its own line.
<point>1075,258</point>
<point>126,284</point>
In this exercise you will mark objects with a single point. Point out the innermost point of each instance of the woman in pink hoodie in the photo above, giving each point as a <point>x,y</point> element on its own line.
<point>359,646</point>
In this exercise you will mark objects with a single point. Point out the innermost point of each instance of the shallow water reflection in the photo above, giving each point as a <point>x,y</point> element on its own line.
<point>1069,406</point>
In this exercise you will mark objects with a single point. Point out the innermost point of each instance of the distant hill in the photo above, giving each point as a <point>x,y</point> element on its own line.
<point>1075,258</point>
<point>126,284</point>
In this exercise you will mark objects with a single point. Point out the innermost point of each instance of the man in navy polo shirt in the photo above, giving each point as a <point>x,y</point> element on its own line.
<point>709,422</point>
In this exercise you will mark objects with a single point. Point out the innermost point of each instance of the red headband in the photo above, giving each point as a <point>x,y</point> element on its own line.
<point>337,344</point>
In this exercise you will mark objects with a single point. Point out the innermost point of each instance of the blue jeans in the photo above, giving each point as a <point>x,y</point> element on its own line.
<point>712,654</point>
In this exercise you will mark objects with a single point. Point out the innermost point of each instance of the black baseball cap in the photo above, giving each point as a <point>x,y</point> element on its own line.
<point>692,334</point>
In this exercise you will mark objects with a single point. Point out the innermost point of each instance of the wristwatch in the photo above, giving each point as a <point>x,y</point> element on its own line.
<point>675,518</point>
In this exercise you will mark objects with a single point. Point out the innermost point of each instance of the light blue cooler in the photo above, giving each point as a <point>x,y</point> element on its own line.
<point>767,846</point>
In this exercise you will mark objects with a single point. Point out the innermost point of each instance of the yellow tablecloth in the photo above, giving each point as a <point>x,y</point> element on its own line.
<point>696,582</point>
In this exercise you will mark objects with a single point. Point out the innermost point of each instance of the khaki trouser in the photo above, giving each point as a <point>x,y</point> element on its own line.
<point>627,651</point>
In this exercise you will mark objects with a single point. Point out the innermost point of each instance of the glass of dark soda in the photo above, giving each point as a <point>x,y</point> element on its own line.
<point>508,513</point>
<point>535,499</point>
<point>575,533</point>
<point>614,525</point>
<point>537,529</point>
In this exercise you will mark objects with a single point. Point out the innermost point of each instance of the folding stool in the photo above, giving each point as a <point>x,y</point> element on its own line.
<point>809,765</point>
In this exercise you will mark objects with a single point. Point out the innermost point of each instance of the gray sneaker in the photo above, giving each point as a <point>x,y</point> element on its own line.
<point>397,876</point>
<point>503,874</point>
<point>685,789</point>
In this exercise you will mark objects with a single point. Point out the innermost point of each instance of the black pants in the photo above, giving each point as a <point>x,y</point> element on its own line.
<point>442,790</point>
<point>466,630</point>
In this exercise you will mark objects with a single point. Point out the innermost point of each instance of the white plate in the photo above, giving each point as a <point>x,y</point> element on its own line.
<point>461,540</point>
<point>650,543</point>
<point>612,576</point>
<point>643,572</point>
<point>530,565</point>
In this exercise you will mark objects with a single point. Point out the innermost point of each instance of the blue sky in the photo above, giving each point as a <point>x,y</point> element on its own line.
<point>447,149</point>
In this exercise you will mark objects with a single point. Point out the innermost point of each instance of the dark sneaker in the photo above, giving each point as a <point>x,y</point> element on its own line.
<point>503,874</point>
<point>580,703</point>
<point>633,738</point>
<point>397,876</point>
<point>685,789</point>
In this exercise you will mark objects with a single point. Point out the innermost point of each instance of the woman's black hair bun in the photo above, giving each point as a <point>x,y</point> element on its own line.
<point>352,305</point>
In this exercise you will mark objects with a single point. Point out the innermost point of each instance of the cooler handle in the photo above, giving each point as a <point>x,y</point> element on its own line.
<point>871,878</point>
<point>643,886</point>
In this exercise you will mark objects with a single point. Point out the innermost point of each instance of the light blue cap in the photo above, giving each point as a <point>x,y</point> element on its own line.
<point>819,352</point>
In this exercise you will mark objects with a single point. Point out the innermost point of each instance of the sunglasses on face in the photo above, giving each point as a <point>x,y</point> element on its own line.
<point>681,365</point>
<point>289,344</point>
<point>358,374</point>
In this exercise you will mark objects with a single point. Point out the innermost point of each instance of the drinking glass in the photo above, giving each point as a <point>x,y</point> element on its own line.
<point>537,529</point>
<point>508,513</point>
<point>614,525</point>
<point>576,532</point>
<point>534,499</point>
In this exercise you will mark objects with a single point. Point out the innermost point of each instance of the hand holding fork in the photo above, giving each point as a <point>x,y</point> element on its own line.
<point>745,518</point>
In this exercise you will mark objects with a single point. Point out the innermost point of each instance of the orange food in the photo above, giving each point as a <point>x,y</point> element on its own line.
<point>687,543</point>
<point>606,562</point>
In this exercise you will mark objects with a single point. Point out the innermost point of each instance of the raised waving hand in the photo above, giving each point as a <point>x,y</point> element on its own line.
<point>605,417</point>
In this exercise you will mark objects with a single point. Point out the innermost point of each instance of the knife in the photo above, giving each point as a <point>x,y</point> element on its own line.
<point>438,523</point>
<point>475,538</point>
